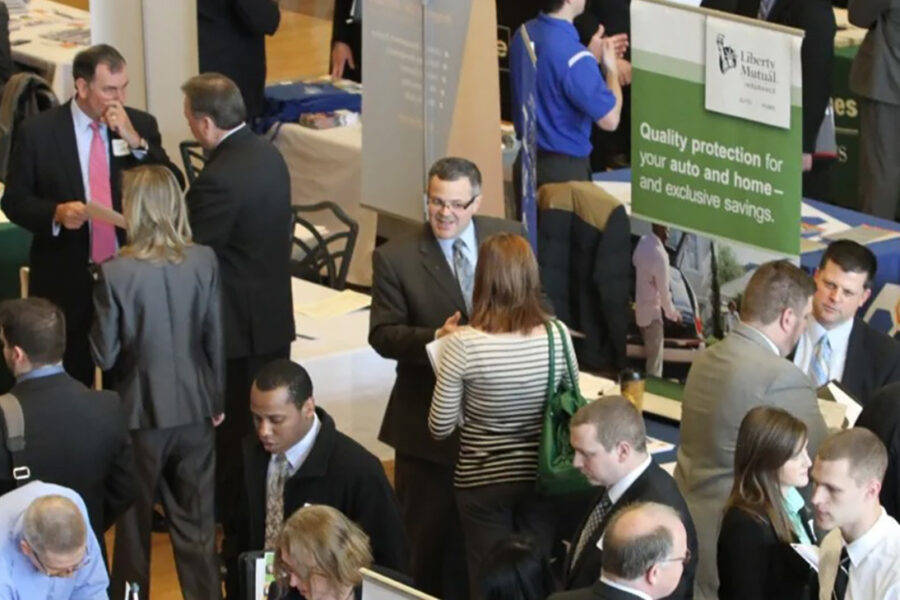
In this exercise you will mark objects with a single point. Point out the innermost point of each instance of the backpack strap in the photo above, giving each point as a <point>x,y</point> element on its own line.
<point>15,436</point>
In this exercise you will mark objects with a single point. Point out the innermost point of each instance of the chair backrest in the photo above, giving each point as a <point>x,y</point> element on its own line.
<point>24,95</point>
<point>325,254</point>
<point>193,159</point>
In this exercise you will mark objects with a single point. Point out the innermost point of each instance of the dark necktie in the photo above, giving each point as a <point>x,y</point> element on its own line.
<point>590,528</point>
<point>464,272</point>
<point>842,578</point>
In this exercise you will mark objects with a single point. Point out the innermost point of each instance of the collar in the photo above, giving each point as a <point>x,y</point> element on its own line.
<point>618,489</point>
<point>468,236</point>
<point>838,336</point>
<point>624,588</point>
<point>82,120</point>
<point>231,132</point>
<point>44,371</point>
<point>298,453</point>
<point>563,24</point>
<point>884,527</point>
<point>793,501</point>
<point>768,340</point>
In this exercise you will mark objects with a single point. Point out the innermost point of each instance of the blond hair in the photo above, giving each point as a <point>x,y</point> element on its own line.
<point>156,217</point>
<point>335,544</point>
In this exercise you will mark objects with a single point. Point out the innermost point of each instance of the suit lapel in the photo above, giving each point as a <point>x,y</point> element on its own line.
<point>67,150</point>
<point>435,264</point>
<point>851,378</point>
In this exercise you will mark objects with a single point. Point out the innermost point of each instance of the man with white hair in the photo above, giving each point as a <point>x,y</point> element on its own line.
<point>47,549</point>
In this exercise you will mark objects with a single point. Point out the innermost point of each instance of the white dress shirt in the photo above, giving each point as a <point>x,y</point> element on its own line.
<point>298,453</point>
<point>470,251</point>
<point>618,489</point>
<point>651,281</point>
<point>874,562</point>
<point>839,338</point>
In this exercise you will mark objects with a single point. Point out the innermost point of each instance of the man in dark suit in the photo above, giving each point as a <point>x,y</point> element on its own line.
<point>346,40</point>
<point>74,437</point>
<point>610,445</point>
<point>421,289</point>
<point>240,206</point>
<point>837,344</point>
<point>645,552</point>
<point>53,179</point>
<point>231,39</point>
<point>882,417</point>
<point>322,466</point>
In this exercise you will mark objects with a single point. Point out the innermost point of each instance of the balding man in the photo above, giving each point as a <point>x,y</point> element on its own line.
<point>644,553</point>
<point>47,550</point>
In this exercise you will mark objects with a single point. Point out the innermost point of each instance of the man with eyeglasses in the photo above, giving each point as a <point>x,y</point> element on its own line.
<point>47,550</point>
<point>422,290</point>
<point>610,444</point>
<point>645,551</point>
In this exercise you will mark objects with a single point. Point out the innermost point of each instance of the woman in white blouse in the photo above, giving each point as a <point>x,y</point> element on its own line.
<point>492,384</point>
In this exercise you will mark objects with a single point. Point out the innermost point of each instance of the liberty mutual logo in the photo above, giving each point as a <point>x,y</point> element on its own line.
<point>727,57</point>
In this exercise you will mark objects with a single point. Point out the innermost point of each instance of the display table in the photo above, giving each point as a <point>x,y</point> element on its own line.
<point>46,37</point>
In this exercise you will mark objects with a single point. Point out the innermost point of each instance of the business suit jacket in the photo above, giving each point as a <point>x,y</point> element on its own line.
<point>653,485</point>
<point>44,171</point>
<point>77,438</point>
<point>882,416</point>
<point>875,73</point>
<point>158,327</point>
<point>598,590</point>
<point>873,361</point>
<point>231,40</point>
<point>754,564</point>
<point>413,292</point>
<point>240,206</point>
<point>338,472</point>
<point>343,29</point>
<point>725,381</point>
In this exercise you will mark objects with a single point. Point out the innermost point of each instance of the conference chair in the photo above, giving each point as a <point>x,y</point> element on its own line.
<point>320,254</point>
<point>192,158</point>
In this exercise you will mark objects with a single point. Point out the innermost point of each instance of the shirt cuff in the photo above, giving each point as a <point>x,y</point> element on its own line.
<point>139,153</point>
<point>56,229</point>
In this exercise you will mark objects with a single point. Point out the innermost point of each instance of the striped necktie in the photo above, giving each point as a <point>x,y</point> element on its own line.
<point>464,272</point>
<point>590,528</point>
<point>820,366</point>
<point>842,577</point>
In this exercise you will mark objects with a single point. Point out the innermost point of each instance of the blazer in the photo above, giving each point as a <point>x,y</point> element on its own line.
<point>754,564</point>
<point>873,361</point>
<point>231,40</point>
<point>882,416</point>
<point>875,73</point>
<point>338,472</point>
<point>240,206</point>
<point>77,438</point>
<point>653,485</point>
<point>725,381</point>
<point>44,171</point>
<point>413,293</point>
<point>599,590</point>
<point>158,327</point>
<point>349,32</point>
<point>816,19</point>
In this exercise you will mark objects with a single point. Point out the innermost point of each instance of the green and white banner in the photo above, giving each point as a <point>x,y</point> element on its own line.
<point>716,124</point>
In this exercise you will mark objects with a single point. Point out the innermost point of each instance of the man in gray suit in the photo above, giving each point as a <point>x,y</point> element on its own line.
<point>745,370</point>
<point>875,78</point>
<point>422,289</point>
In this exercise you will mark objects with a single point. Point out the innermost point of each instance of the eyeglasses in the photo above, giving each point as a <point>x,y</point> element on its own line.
<point>65,572</point>
<point>682,559</point>
<point>451,205</point>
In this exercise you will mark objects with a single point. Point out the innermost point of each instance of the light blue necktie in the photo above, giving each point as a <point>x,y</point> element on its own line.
<point>820,366</point>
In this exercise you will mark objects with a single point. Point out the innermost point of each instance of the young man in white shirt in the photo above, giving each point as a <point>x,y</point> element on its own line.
<point>859,559</point>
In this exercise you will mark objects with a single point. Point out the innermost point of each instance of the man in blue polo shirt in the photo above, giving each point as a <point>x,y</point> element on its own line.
<point>571,92</point>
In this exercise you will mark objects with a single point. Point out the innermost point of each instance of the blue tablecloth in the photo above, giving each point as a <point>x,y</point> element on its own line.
<point>285,102</point>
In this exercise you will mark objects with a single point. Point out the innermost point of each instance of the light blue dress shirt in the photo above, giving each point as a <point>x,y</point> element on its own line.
<point>471,249</point>
<point>19,577</point>
<point>44,371</point>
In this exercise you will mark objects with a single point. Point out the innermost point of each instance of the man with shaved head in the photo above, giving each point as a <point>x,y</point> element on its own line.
<point>47,549</point>
<point>644,553</point>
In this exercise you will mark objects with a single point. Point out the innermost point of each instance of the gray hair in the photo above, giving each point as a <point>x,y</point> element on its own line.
<point>215,96</point>
<point>627,554</point>
<point>451,168</point>
<point>54,524</point>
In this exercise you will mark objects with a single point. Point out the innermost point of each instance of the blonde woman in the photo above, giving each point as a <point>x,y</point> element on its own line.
<point>321,552</point>
<point>158,330</point>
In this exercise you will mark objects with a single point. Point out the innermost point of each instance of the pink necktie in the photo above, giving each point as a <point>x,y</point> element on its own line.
<point>103,235</point>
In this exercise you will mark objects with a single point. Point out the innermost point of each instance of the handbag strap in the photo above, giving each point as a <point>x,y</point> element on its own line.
<point>15,436</point>
<point>551,371</point>
<point>565,348</point>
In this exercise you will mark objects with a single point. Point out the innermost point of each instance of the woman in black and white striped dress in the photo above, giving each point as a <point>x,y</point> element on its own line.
<point>492,384</point>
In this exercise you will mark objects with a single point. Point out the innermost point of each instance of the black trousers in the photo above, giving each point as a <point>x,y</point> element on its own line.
<point>560,168</point>
<point>428,507</point>
<point>178,465</point>
<point>239,374</point>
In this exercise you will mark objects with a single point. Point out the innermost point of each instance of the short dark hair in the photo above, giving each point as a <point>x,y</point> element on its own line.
<point>284,373</point>
<point>516,569</point>
<point>35,325</point>
<point>627,555</point>
<point>451,168</point>
<point>215,96</point>
<point>775,286</point>
<point>85,64</point>
<point>852,257</point>
<point>551,6</point>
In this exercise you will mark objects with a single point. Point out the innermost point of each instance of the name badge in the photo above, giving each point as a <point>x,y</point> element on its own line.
<point>120,147</point>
